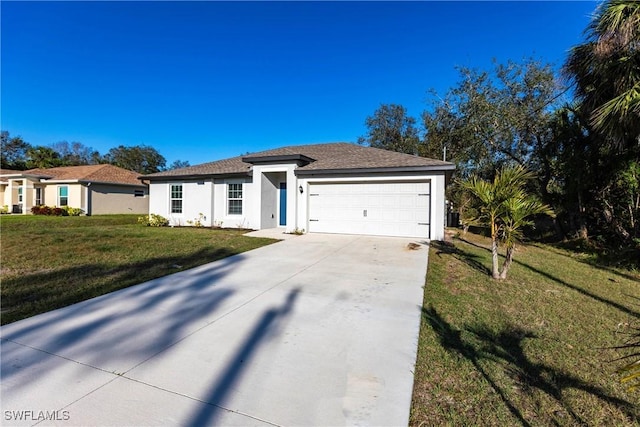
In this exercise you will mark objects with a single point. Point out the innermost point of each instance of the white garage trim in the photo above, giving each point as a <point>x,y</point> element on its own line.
<point>384,208</point>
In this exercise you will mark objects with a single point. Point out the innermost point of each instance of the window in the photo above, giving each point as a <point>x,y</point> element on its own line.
<point>38,196</point>
<point>20,195</point>
<point>63,195</point>
<point>176,198</point>
<point>234,199</point>
<point>138,193</point>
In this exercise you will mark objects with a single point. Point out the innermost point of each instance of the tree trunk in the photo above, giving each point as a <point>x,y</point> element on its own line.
<point>495,272</point>
<point>583,233</point>
<point>507,262</point>
<point>560,233</point>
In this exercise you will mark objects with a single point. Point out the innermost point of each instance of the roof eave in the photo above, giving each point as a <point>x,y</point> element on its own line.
<point>111,183</point>
<point>25,175</point>
<point>59,181</point>
<point>298,158</point>
<point>353,171</point>
<point>193,176</point>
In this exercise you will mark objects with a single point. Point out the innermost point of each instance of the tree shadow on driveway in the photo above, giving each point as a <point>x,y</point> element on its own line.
<point>265,326</point>
<point>37,292</point>
<point>120,330</point>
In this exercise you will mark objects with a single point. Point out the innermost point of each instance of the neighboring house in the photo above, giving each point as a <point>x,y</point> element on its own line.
<point>332,188</point>
<point>96,189</point>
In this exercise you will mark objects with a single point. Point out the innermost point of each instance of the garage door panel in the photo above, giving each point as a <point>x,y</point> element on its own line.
<point>382,208</point>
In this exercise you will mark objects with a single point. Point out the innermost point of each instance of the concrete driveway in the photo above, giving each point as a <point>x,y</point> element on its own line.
<point>314,330</point>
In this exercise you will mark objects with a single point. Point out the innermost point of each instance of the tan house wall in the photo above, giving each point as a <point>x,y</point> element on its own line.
<point>117,199</point>
<point>93,199</point>
<point>76,195</point>
<point>9,194</point>
<point>3,201</point>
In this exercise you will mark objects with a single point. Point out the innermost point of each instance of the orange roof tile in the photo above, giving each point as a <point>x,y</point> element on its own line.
<point>89,173</point>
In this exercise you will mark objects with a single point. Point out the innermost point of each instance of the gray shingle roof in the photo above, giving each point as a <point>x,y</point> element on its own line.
<point>327,157</point>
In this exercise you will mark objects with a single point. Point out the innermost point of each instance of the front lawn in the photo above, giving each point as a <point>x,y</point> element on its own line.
<point>51,262</point>
<point>530,350</point>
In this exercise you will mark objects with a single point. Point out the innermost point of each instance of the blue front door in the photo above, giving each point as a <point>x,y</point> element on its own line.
<point>283,203</point>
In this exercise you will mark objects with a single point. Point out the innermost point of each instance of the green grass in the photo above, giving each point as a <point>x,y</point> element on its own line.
<point>51,262</point>
<point>530,350</point>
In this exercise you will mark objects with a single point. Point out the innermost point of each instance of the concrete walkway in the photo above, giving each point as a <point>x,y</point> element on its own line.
<point>313,330</point>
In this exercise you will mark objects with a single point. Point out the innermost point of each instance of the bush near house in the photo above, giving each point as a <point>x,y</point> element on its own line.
<point>55,211</point>
<point>48,211</point>
<point>153,220</point>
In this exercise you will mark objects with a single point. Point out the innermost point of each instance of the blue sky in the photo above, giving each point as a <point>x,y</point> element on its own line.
<point>200,81</point>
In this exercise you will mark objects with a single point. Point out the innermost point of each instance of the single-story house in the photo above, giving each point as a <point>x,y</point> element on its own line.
<point>332,188</point>
<point>96,189</point>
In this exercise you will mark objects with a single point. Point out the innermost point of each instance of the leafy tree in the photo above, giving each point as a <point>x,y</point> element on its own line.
<point>179,164</point>
<point>139,158</point>
<point>495,118</point>
<point>392,129</point>
<point>42,157</point>
<point>505,207</point>
<point>13,151</point>
<point>76,153</point>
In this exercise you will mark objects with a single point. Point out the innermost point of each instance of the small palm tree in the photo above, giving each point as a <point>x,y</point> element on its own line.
<point>505,207</point>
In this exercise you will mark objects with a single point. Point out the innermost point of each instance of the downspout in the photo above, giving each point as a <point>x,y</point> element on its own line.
<point>87,199</point>
<point>24,196</point>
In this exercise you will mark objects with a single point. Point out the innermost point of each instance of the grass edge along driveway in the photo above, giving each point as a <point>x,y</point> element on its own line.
<point>529,350</point>
<point>52,262</point>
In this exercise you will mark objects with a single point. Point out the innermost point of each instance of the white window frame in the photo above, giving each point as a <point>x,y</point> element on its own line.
<point>20,195</point>
<point>176,199</point>
<point>38,196</point>
<point>60,187</point>
<point>235,194</point>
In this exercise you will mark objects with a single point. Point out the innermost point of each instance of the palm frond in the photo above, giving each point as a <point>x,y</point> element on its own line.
<point>631,374</point>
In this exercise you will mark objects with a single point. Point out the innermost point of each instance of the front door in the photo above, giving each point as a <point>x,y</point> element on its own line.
<point>283,203</point>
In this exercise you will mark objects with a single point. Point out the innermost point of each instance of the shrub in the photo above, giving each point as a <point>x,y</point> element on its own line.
<point>197,222</point>
<point>54,211</point>
<point>73,211</point>
<point>153,220</point>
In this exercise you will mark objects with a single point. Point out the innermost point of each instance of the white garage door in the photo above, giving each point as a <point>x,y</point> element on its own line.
<point>375,208</point>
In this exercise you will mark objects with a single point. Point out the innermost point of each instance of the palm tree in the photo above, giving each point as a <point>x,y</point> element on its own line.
<point>505,207</point>
<point>606,70</point>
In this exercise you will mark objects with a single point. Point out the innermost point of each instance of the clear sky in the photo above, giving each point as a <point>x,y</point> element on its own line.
<point>201,81</point>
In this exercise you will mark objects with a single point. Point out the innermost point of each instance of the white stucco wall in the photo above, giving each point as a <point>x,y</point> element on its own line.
<point>269,210</point>
<point>437,196</point>
<point>196,199</point>
<point>250,217</point>
<point>210,198</point>
<point>281,172</point>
